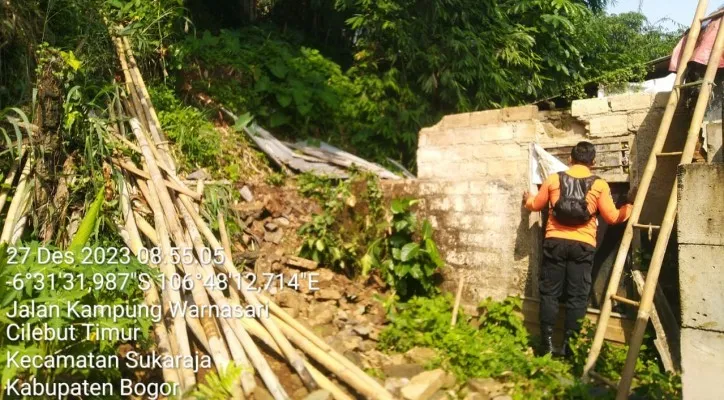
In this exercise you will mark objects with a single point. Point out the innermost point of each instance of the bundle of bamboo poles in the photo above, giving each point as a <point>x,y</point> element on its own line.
<point>21,193</point>
<point>177,224</point>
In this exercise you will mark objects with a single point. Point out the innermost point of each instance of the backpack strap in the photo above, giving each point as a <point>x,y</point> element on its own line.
<point>590,181</point>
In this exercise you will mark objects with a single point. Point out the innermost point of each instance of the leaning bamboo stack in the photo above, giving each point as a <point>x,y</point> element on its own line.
<point>153,190</point>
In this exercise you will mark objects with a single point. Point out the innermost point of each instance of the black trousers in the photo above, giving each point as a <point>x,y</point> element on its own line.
<point>566,270</point>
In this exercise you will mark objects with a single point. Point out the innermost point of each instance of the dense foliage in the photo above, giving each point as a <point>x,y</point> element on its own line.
<point>368,75</point>
<point>354,233</point>
<point>497,344</point>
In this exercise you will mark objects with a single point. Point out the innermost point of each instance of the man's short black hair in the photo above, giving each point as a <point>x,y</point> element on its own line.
<point>583,153</point>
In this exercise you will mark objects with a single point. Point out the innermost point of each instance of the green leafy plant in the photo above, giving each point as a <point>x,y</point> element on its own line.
<point>407,263</point>
<point>650,381</point>
<point>356,234</point>
<point>218,386</point>
<point>497,345</point>
<point>276,179</point>
<point>197,140</point>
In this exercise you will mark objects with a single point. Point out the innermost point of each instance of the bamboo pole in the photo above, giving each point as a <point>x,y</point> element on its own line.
<point>256,329</point>
<point>168,270</point>
<point>644,184</point>
<point>142,174</point>
<point>155,202</point>
<point>133,241</point>
<point>135,101</point>
<point>162,206</point>
<point>224,235</point>
<point>147,229</point>
<point>161,203</point>
<point>153,121</point>
<point>657,258</point>
<point>119,113</point>
<point>309,335</point>
<point>227,249</point>
<point>458,297</point>
<point>239,357</point>
<point>292,356</point>
<point>17,203</point>
<point>247,375</point>
<point>333,365</point>
<point>169,173</point>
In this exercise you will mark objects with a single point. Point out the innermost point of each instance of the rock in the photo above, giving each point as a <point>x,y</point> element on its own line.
<point>450,381</point>
<point>402,370</point>
<point>336,343</point>
<point>487,386</point>
<point>367,345</point>
<point>325,330</point>
<point>342,315</point>
<point>282,221</point>
<point>325,275</point>
<point>245,193</point>
<point>421,355</point>
<point>362,330</point>
<point>274,237</point>
<point>271,227</point>
<point>293,312</point>
<point>351,342</point>
<point>198,175</point>
<point>354,357</point>
<point>440,395</point>
<point>374,359</point>
<point>328,294</point>
<point>319,395</point>
<point>475,396</point>
<point>301,263</point>
<point>289,299</point>
<point>300,393</point>
<point>393,385</point>
<point>503,397</point>
<point>321,314</point>
<point>423,386</point>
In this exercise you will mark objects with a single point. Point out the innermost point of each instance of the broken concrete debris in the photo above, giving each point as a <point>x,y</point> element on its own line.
<point>424,385</point>
<point>245,193</point>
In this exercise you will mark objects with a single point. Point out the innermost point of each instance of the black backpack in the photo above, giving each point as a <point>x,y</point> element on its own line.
<point>571,209</point>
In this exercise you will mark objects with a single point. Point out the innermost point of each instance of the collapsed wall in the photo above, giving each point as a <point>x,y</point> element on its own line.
<point>473,168</point>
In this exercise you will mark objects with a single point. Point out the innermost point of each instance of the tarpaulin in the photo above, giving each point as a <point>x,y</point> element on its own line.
<point>542,164</point>
<point>704,45</point>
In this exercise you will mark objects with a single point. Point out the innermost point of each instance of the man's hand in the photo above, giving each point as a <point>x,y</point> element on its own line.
<point>631,196</point>
<point>526,195</point>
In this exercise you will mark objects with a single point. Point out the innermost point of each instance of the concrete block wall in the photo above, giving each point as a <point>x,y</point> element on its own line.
<point>700,231</point>
<point>473,168</point>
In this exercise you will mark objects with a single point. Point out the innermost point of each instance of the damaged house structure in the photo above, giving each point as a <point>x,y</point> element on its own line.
<point>473,167</point>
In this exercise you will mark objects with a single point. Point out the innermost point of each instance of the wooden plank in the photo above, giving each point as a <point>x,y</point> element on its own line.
<point>665,325</point>
<point>618,330</point>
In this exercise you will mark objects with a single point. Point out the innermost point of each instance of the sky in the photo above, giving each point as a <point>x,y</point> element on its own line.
<point>681,11</point>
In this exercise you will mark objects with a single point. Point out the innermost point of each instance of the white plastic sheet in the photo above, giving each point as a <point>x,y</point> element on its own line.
<point>542,164</point>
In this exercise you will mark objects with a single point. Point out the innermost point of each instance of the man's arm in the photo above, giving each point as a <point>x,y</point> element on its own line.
<point>539,201</point>
<point>608,210</point>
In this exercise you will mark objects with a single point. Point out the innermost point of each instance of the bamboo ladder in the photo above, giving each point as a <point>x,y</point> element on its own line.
<point>686,156</point>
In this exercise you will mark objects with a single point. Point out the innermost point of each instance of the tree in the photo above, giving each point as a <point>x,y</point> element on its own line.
<point>471,54</point>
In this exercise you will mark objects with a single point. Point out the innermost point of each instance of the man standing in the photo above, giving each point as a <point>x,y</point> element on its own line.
<point>575,197</point>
